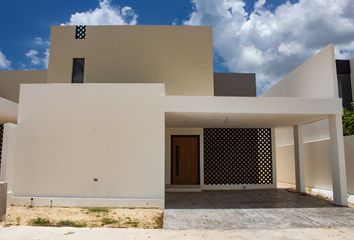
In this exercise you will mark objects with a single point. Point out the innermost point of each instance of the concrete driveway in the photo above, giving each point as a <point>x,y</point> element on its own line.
<point>252,209</point>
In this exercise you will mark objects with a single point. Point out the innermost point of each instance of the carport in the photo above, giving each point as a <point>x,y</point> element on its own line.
<point>260,205</point>
<point>184,112</point>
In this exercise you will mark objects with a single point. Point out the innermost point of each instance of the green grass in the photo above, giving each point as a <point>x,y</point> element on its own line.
<point>98,210</point>
<point>133,223</point>
<point>18,220</point>
<point>69,223</point>
<point>62,223</point>
<point>108,221</point>
<point>40,222</point>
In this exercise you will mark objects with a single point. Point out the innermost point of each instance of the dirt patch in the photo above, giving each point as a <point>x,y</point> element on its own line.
<point>84,217</point>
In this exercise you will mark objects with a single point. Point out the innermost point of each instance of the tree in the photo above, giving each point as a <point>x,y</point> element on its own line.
<point>348,121</point>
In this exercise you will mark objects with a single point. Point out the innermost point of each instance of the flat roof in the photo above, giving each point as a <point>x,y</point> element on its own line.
<point>246,112</point>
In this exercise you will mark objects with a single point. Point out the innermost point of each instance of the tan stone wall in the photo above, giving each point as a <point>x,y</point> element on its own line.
<point>10,82</point>
<point>179,56</point>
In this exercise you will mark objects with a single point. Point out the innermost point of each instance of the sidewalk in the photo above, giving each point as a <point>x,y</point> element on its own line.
<point>50,233</point>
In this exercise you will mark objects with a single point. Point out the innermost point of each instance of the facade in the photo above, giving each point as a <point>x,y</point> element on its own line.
<point>125,113</point>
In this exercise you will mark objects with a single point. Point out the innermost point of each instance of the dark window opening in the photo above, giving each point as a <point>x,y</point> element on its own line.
<point>345,89</point>
<point>344,82</point>
<point>78,70</point>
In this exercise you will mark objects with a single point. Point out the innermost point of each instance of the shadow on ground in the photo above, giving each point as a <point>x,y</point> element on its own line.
<point>243,199</point>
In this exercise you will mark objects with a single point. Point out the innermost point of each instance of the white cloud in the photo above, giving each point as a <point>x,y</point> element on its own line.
<point>45,59</point>
<point>37,59</point>
<point>33,56</point>
<point>4,62</point>
<point>39,56</point>
<point>105,14</point>
<point>40,42</point>
<point>272,43</point>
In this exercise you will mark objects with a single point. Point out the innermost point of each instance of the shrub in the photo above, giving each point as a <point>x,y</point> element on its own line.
<point>108,220</point>
<point>98,210</point>
<point>69,223</point>
<point>40,222</point>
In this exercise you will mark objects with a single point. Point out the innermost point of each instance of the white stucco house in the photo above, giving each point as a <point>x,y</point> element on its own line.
<point>125,113</point>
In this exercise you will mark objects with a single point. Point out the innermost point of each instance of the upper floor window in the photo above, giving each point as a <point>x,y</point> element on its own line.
<point>78,70</point>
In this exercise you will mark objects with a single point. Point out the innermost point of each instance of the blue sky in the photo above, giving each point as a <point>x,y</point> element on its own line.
<point>21,20</point>
<point>269,37</point>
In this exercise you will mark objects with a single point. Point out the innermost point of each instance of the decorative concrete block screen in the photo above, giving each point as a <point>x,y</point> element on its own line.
<point>237,156</point>
<point>1,138</point>
<point>80,32</point>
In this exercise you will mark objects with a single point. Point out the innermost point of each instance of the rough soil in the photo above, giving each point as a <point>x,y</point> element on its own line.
<point>88,217</point>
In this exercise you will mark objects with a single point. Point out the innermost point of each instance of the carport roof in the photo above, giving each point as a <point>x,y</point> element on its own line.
<point>246,112</point>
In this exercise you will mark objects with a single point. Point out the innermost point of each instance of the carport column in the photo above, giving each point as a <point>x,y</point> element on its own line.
<point>299,159</point>
<point>339,177</point>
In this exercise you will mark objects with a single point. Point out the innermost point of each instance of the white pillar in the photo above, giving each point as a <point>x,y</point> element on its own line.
<point>339,177</point>
<point>299,159</point>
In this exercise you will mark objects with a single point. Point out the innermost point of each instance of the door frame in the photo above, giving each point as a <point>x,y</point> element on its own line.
<point>171,157</point>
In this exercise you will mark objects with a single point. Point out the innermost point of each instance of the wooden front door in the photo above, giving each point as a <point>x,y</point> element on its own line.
<point>185,160</point>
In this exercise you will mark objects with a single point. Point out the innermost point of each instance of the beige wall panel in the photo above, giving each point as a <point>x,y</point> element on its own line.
<point>8,111</point>
<point>10,82</point>
<point>179,56</point>
<point>318,164</point>
<point>349,159</point>
<point>285,164</point>
<point>70,134</point>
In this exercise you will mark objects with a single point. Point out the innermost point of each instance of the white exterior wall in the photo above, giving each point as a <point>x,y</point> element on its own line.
<point>69,134</point>
<point>8,155</point>
<point>317,161</point>
<point>313,79</point>
<point>8,111</point>
<point>182,131</point>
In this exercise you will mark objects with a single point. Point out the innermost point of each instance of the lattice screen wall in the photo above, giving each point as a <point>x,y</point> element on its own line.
<point>80,32</point>
<point>237,156</point>
<point>1,138</point>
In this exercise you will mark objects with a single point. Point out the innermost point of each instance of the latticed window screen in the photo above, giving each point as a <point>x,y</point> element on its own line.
<point>237,156</point>
<point>1,138</point>
<point>80,32</point>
